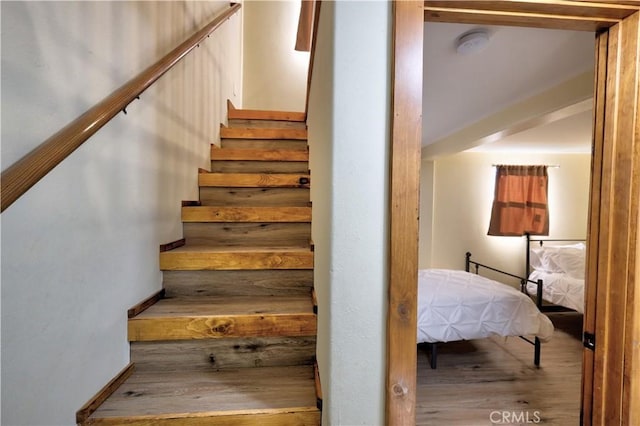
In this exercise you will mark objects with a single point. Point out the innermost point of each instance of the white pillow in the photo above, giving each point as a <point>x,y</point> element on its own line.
<point>569,259</point>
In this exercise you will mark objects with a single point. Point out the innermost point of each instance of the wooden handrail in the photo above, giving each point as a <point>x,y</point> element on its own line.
<point>26,172</point>
<point>316,20</point>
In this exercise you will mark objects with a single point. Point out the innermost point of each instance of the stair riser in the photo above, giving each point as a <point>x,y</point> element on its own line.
<point>232,166</point>
<point>237,283</point>
<point>234,113</point>
<point>217,354</point>
<point>264,144</point>
<point>293,418</point>
<point>270,124</point>
<point>217,327</point>
<point>265,133</point>
<point>248,234</point>
<point>254,197</point>
<point>249,180</point>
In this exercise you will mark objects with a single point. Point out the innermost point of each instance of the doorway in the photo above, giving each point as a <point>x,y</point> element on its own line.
<point>524,98</point>
<point>609,389</point>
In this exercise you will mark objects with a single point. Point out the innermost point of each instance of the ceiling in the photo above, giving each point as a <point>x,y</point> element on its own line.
<point>462,90</point>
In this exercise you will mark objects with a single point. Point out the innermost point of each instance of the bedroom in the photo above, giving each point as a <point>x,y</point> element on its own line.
<point>542,117</point>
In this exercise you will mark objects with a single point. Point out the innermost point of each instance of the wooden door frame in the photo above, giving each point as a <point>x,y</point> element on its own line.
<point>614,264</point>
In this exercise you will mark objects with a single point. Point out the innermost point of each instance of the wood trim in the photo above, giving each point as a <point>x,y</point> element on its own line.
<point>262,417</point>
<point>558,14</point>
<point>92,405</point>
<point>604,231</point>
<point>594,222</point>
<point>616,318</point>
<point>575,23</point>
<point>406,125</point>
<point>631,401</point>
<point>26,172</point>
<point>314,300</point>
<point>537,18</point>
<point>312,55</point>
<point>629,129</point>
<point>541,9</point>
<point>145,304</point>
<point>172,245</point>
<point>316,372</point>
<point>305,26</point>
<point>191,203</point>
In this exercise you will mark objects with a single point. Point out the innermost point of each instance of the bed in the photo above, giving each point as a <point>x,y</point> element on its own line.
<point>560,266</point>
<point>461,305</point>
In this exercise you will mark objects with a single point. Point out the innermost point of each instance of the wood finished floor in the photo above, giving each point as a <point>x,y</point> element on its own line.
<point>153,393</point>
<point>477,381</point>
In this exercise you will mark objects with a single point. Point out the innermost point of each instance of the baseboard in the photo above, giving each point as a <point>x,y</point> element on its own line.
<point>142,306</point>
<point>83,414</point>
<point>172,245</point>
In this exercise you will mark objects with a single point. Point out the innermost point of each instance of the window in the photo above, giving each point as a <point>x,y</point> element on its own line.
<point>520,201</point>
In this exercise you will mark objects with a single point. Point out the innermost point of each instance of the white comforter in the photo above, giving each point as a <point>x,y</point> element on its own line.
<point>458,305</point>
<point>559,289</point>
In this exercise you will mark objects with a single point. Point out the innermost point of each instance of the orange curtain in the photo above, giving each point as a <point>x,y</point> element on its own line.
<point>520,201</point>
<point>305,25</point>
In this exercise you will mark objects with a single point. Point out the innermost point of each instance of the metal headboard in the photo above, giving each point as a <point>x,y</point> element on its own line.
<point>541,241</point>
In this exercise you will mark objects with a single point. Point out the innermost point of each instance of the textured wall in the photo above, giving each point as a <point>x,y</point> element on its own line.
<point>275,74</point>
<point>463,194</point>
<point>349,143</point>
<point>81,247</point>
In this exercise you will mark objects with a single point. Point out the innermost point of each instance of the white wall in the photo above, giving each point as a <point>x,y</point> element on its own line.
<point>81,247</point>
<point>275,74</point>
<point>462,198</point>
<point>349,143</point>
<point>427,171</point>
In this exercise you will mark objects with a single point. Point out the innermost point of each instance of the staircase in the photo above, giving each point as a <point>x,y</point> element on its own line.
<point>231,338</point>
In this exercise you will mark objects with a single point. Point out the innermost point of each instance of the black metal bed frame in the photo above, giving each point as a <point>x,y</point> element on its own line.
<point>523,288</point>
<point>541,241</point>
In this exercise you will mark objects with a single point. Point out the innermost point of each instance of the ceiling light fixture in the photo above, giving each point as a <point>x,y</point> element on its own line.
<point>472,41</point>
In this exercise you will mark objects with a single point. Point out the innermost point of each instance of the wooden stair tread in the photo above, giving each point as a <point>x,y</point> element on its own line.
<point>262,133</point>
<point>256,154</point>
<point>254,114</point>
<point>245,214</point>
<point>231,395</point>
<point>224,317</point>
<point>229,305</point>
<point>254,180</point>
